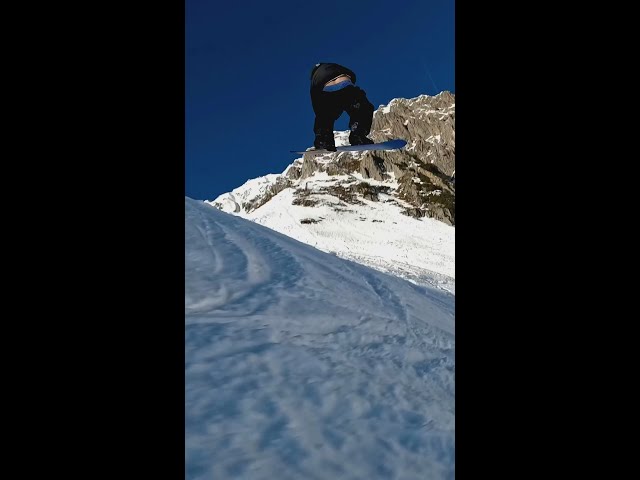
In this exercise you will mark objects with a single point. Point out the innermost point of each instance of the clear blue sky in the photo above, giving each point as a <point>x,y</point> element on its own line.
<point>247,67</point>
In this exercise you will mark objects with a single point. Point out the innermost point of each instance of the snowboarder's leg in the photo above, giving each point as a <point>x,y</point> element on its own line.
<point>360,111</point>
<point>328,108</point>
<point>323,129</point>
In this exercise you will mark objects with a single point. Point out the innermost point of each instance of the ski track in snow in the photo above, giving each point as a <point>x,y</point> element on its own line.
<point>300,364</point>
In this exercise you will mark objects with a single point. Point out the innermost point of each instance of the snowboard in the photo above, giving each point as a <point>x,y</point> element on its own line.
<point>388,145</point>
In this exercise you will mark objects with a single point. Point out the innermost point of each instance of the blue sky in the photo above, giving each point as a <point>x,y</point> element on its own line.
<point>247,69</point>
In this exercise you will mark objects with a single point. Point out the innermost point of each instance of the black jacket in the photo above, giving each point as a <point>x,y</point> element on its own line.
<point>322,73</point>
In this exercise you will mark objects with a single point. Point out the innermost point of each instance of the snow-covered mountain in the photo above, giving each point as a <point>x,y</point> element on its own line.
<point>391,210</point>
<point>300,364</point>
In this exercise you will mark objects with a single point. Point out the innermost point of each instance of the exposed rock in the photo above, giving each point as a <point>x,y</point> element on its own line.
<point>419,175</point>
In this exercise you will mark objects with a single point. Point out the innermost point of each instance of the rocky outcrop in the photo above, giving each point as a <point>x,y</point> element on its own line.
<point>418,177</point>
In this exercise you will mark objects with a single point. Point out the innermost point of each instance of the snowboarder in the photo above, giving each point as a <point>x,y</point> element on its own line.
<point>333,91</point>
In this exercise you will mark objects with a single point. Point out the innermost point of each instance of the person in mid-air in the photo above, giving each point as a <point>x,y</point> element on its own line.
<point>333,91</point>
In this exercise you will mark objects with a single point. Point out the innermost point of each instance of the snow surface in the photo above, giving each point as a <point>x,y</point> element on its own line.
<point>375,233</point>
<point>302,365</point>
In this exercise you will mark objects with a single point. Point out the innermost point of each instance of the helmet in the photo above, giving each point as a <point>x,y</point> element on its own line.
<point>313,70</point>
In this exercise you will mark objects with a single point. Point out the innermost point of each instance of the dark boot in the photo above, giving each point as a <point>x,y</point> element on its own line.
<point>356,139</point>
<point>325,141</point>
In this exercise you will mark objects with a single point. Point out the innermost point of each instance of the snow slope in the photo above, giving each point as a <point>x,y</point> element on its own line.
<point>375,234</point>
<point>300,364</point>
